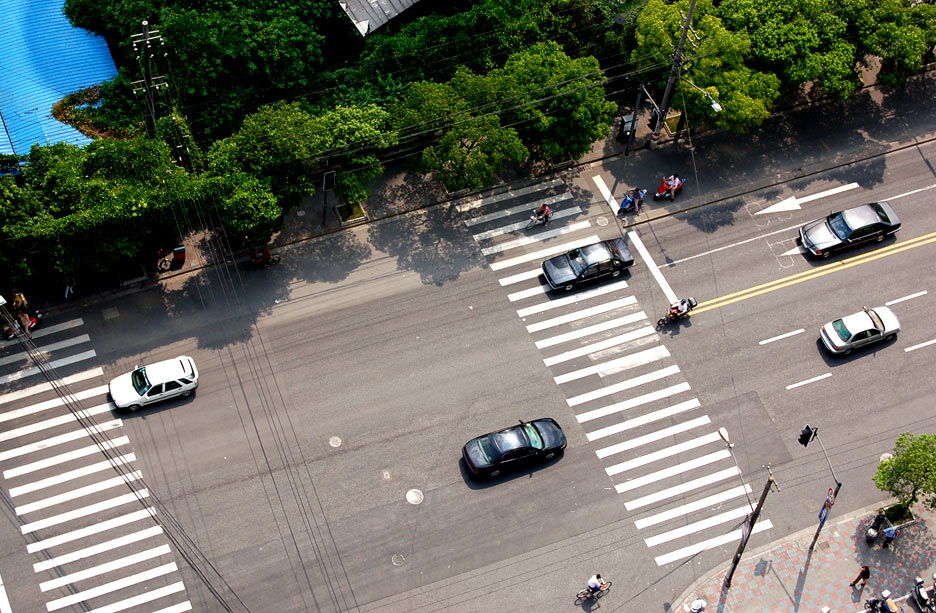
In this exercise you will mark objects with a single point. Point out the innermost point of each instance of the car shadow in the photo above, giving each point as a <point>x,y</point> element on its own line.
<point>832,360</point>
<point>482,483</point>
<point>555,294</point>
<point>152,409</point>
<point>839,256</point>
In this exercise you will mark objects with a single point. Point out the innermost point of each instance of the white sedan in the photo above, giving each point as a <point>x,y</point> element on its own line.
<point>863,328</point>
<point>159,381</point>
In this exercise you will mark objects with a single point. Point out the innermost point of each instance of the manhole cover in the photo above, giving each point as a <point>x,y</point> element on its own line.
<point>398,559</point>
<point>414,496</point>
<point>385,475</point>
<point>335,441</point>
<point>601,221</point>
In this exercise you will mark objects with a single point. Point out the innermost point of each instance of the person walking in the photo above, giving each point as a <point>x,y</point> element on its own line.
<point>864,573</point>
<point>889,533</point>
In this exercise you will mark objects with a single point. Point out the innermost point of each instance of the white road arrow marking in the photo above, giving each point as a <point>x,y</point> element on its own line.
<point>793,203</point>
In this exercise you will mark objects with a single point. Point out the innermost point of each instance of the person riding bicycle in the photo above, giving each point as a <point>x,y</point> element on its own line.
<point>595,583</point>
<point>543,213</point>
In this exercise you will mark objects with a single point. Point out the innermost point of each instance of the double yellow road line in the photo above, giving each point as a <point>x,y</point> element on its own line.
<point>809,275</point>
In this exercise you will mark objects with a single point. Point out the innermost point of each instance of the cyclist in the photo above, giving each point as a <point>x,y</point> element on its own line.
<point>543,213</point>
<point>595,583</point>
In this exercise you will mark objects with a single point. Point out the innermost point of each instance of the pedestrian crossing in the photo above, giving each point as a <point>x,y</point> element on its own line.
<point>656,443</point>
<point>85,517</point>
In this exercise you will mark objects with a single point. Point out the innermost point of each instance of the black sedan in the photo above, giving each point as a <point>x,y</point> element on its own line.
<point>532,441</point>
<point>605,258</point>
<point>861,224</point>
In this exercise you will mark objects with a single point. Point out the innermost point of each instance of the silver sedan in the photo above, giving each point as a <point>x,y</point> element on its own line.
<point>860,329</point>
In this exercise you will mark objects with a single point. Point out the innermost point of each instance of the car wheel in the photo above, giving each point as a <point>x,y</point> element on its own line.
<point>550,455</point>
<point>826,254</point>
<point>616,273</point>
<point>494,473</point>
<point>186,393</point>
<point>879,238</point>
<point>846,352</point>
<point>569,287</point>
<point>134,407</point>
<point>889,337</point>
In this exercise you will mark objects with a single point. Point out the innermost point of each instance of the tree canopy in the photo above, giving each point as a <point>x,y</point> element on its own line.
<point>910,474</point>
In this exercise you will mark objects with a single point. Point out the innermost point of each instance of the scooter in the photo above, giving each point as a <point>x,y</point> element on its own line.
<point>674,315</point>
<point>664,189</point>
<point>261,259</point>
<point>34,318</point>
<point>875,528</point>
<point>633,199</point>
<point>923,601</point>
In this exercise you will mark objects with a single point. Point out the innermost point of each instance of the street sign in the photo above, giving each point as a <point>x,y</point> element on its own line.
<point>824,512</point>
<point>831,497</point>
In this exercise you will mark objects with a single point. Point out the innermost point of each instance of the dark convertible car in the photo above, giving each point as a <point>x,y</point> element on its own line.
<point>532,441</point>
<point>609,257</point>
<point>861,224</point>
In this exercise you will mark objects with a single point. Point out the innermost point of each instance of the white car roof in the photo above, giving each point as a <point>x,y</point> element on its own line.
<point>169,370</point>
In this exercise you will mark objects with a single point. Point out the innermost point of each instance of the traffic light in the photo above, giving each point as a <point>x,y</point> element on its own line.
<point>806,435</point>
<point>654,117</point>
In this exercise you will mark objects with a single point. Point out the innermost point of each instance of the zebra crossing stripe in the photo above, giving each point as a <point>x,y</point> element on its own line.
<point>182,607</point>
<point>65,325</point>
<point>97,528</point>
<point>93,550</point>
<point>107,567</point>
<point>65,457</point>
<point>521,225</point>
<point>632,360</point>
<point>662,453</point>
<point>691,550</point>
<point>630,403</point>
<point>43,387</point>
<point>51,404</point>
<point>538,237</point>
<point>72,474</point>
<point>643,420</point>
<point>100,590</point>
<point>521,276</point>
<point>539,290</point>
<point>672,471</point>
<point>618,322</point>
<point>60,439</point>
<point>544,253</point>
<point>608,288</point>
<point>705,524</point>
<point>46,349</point>
<point>80,492</point>
<point>600,346</point>
<point>692,507</point>
<point>654,436</point>
<point>623,385</point>
<point>149,597</point>
<point>33,370</point>
<point>60,420</point>
<point>583,314</point>
<point>682,488</point>
<point>90,509</point>
<point>515,193</point>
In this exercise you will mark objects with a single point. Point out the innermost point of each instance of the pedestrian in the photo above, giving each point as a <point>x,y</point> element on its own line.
<point>889,533</point>
<point>864,573</point>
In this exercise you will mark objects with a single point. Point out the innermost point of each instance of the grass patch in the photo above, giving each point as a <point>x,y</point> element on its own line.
<point>898,513</point>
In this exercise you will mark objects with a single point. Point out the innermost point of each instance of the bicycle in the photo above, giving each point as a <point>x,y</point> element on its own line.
<point>587,593</point>
<point>535,219</point>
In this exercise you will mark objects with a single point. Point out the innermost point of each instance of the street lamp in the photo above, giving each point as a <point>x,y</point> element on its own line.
<point>715,106</point>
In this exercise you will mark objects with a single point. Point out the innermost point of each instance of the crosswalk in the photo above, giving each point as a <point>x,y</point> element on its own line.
<point>84,512</point>
<point>651,434</point>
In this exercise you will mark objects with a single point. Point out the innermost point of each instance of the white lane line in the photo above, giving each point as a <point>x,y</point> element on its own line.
<point>90,509</point>
<point>25,469</point>
<point>583,314</point>
<point>910,297</point>
<point>93,550</point>
<point>692,507</point>
<point>119,584</point>
<point>103,526</point>
<point>601,290</point>
<point>100,390</point>
<point>33,370</point>
<point>182,607</point>
<point>80,492</point>
<point>682,488</point>
<point>782,336</point>
<point>618,322</point>
<point>65,325</point>
<point>515,193</point>
<point>671,471</point>
<point>626,362</point>
<point>653,436</point>
<point>699,526</point>
<point>630,403</point>
<point>623,385</point>
<point>916,191</point>
<point>145,597</point>
<point>43,387</point>
<point>544,253</point>
<point>606,194</point>
<point>643,420</point>
<point>61,420</point>
<point>807,381</point>
<point>920,346</point>
<point>691,550</point>
<point>107,567</point>
<point>539,290</point>
<point>600,345</point>
<point>521,225</point>
<point>84,471</point>
<point>4,599</point>
<point>521,276</point>
<point>60,439</point>
<point>733,245</point>
<point>46,349</point>
<point>536,238</point>
<point>671,296</point>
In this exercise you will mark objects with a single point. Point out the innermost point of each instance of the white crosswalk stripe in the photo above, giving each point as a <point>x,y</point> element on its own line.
<point>643,420</point>
<point>604,326</point>
<point>601,392</point>
<point>691,550</point>
<point>632,360</point>
<point>709,501</point>
<point>34,370</point>
<point>539,236</point>
<point>538,256</point>
<point>93,550</point>
<point>669,471</point>
<point>521,225</point>
<point>609,288</point>
<point>600,346</point>
<point>583,314</point>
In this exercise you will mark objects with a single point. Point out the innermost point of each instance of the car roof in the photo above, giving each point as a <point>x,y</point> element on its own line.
<point>858,322</point>
<point>861,216</point>
<point>168,370</point>
<point>598,252</point>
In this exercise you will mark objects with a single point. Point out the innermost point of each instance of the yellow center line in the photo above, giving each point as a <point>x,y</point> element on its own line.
<point>808,275</point>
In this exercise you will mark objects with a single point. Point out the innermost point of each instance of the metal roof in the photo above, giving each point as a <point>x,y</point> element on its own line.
<point>42,59</point>
<point>368,15</point>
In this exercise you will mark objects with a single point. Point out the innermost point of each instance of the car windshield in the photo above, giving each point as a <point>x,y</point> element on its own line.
<point>875,319</point>
<point>841,330</point>
<point>536,441</point>
<point>839,227</point>
<point>139,381</point>
<point>577,261</point>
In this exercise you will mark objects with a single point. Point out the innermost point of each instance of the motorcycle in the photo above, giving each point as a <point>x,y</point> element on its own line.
<point>923,601</point>
<point>875,528</point>
<point>34,318</point>
<point>674,315</point>
<point>261,258</point>
<point>633,199</point>
<point>664,189</point>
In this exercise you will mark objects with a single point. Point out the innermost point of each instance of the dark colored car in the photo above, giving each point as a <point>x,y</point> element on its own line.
<point>605,258</point>
<point>528,442</point>
<point>861,224</point>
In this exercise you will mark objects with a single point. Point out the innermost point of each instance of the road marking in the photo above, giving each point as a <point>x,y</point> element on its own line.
<point>594,329</point>
<point>521,225</point>
<point>626,362</point>
<point>583,314</point>
<point>60,439</point>
<point>107,567</point>
<point>623,385</point>
<point>544,253</point>
<point>682,488</point>
<point>51,404</point>
<point>45,349</point>
<point>699,526</point>
<point>607,288</point>
<point>43,387</point>
<point>691,550</point>
<point>65,457</point>
<point>523,276</point>
<point>56,421</point>
<point>103,526</point>
<point>910,297</point>
<point>606,194</point>
<point>100,590</point>
<point>654,436</point>
<point>630,403</point>
<point>93,550</point>
<point>643,420</point>
<point>920,346</point>
<point>90,509</point>
<point>536,238</point>
<point>539,290</point>
<point>149,596</point>
<point>65,325</point>
<point>671,296</point>
<point>672,471</point>
<point>80,492</point>
<point>692,507</point>
<point>523,191</point>
<point>77,473</point>
<point>910,193</point>
<point>33,370</point>
<point>793,203</point>
<point>807,381</point>
<point>182,607</point>
<point>732,246</point>
<point>600,345</point>
<point>782,336</point>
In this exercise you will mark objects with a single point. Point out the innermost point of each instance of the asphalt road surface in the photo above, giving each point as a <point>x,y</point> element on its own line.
<point>318,466</point>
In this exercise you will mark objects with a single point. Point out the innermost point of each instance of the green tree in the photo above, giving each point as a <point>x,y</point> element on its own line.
<point>910,474</point>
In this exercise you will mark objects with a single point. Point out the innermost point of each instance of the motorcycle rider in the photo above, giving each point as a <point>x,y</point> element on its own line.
<point>671,182</point>
<point>887,603</point>
<point>680,308</point>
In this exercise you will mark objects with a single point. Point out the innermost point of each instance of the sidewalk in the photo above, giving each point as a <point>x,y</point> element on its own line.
<point>786,576</point>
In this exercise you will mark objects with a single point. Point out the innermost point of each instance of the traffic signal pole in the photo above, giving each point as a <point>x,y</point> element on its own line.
<point>749,527</point>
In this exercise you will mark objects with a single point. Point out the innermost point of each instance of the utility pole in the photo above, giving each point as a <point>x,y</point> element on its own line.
<point>632,127</point>
<point>142,47</point>
<point>674,74</point>
<point>748,527</point>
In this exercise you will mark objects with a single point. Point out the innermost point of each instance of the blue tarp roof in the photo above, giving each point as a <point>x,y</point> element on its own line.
<point>42,59</point>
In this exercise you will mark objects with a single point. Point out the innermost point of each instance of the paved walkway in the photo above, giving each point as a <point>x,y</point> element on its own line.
<point>786,576</point>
